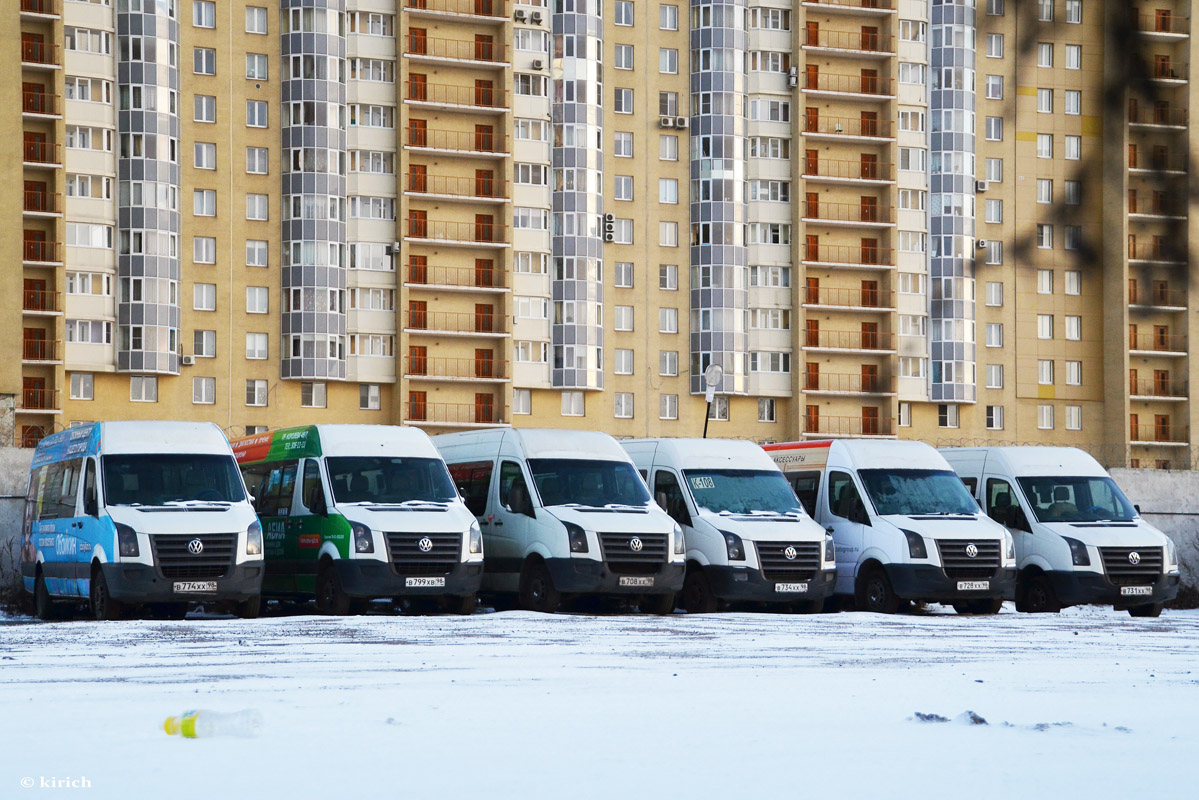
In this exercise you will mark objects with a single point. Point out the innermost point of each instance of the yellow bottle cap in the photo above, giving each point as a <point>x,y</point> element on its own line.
<point>171,726</point>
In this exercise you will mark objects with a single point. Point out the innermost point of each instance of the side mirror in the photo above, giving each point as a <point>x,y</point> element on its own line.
<point>91,507</point>
<point>1017,519</point>
<point>1137,507</point>
<point>528,509</point>
<point>858,513</point>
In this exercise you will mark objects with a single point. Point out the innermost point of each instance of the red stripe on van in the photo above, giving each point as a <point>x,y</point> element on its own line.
<point>797,445</point>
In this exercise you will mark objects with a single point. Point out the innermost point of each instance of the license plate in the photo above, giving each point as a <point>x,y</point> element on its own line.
<point>973,586</point>
<point>790,587</point>
<point>1136,590</point>
<point>416,583</point>
<point>195,586</point>
<point>636,581</point>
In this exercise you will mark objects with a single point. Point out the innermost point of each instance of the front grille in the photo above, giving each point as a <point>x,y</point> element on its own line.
<point>176,562</point>
<point>622,559</point>
<point>800,568</point>
<point>407,558</point>
<point>1123,573</point>
<point>959,566</point>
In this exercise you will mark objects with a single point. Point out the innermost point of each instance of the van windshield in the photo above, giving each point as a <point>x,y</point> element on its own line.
<point>917,491</point>
<point>161,479</point>
<point>383,479</point>
<point>741,491</point>
<point>563,481</point>
<point>1089,499</point>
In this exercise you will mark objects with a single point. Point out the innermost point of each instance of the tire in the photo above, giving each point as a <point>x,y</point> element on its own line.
<point>660,604</point>
<point>249,609</point>
<point>875,594</point>
<point>697,595</point>
<point>43,603</point>
<point>1148,610</point>
<point>1036,596</point>
<point>104,607</point>
<point>990,605</point>
<point>537,592</point>
<point>331,599</point>
<point>462,605</point>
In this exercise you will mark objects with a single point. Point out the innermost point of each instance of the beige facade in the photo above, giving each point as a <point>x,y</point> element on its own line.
<point>457,311</point>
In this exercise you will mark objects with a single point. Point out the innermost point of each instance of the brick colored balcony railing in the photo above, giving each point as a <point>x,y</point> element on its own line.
<point>41,53</point>
<point>848,382</point>
<point>40,350</point>
<point>453,413</point>
<point>442,230</point>
<point>854,4</point>
<point>847,169</point>
<point>456,186</point>
<point>466,368</point>
<point>1162,298</point>
<point>40,7</point>
<point>1158,251</point>
<point>476,277</point>
<point>463,49</point>
<point>850,40</point>
<point>848,212</point>
<point>1157,388</point>
<point>848,340</point>
<point>1171,70</point>
<point>864,298</point>
<point>847,84</point>
<point>849,426</point>
<point>455,322</point>
<point>478,8</point>
<point>43,202</point>
<point>848,254</point>
<point>1158,342</point>
<point>454,94</point>
<point>47,252</point>
<point>38,300</point>
<point>1162,23</point>
<point>40,103</point>
<point>1157,115</point>
<point>464,141</point>
<point>49,153</point>
<point>39,399</point>
<point>1158,432</point>
<point>847,126</point>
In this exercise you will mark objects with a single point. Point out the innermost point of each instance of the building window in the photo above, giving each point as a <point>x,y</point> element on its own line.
<point>256,253</point>
<point>668,147</point>
<point>720,409</point>
<point>203,344</point>
<point>257,299</point>
<point>766,409</point>
<point>204,203</point>
<point>204,61</point>
<point>947,416</point>
<point>668,190</point>
<point>204,250</point>
<point>256,113</point>
<point>994,170</point>
<point>203,391</point>
<point>995,418</point>
<point>994,293</point>
<point>995,8</point>
<point>668,406</point>
<point>1045,371</point>
<point>1073,56</point>
<point>1044,190</point>
<point>668,320</point>
<point>256,346</point>
<point>256,206</point>
<point>257,160</point>
<point>624,405</point>
<point>905,415</point>
<point>994,376</point>
<point>624,101</point>
<point>1045,417</point>
<point>368,396</point>
<point>622,231</point>
<point>668,18</point>
<point>624,56</point>
<point>1044,326</point>
<point>1044,236</point>
<point>256,66</point>
<point>668,61</point>
<point>624,362</point>
<point>668,234</point>
<point>312,394</point>
<point>624,318</point>
<point>1074,373</point>
<point>255,19</point>
<point>994,131</point>
<point>668,363</point>
<point>1044,101</point>
<point>204,108</point>
<point>522,401</point>
<point>1074,12</point>
<point>1074,418</point>
<point>624,275</point>
<point>1073,102</point>
<point>205,156</point>
<point>994,87</point>
<point>1045,10</point>
<point>572,402</point>
<point>256,392</point>
<point>624,13</point>
<point>622,144</point>
<point>994,45</point>
<point>994,251</point>
<point>994,210</point>
<point>204,295</point>
<point>1073,282</point>
<point>1073,193</point>
<point>623,187</point>
<point>82,386</point>
<point>1044,145</point>
<point>1044,281</point>
<point>668,277</point>
<point>1073,148</point>
<point>203,13</point>
<point>994,334</point>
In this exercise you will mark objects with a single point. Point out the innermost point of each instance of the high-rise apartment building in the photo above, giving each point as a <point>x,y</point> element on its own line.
<point>947,220</point>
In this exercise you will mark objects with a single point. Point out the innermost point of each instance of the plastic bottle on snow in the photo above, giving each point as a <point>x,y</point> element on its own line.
<point>205,724</point>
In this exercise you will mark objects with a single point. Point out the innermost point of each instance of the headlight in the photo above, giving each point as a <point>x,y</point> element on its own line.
<point>1078,552</point>
<point>916,547</point>
<point>1009,547</point>
<point>680,547</point>
<point>364,542</point>
<point>830,549</point>
<point>475,543</point>
<point>254,539</point>
<point>732,543</point>
<point>577,537</point>
<point>1171,553</point>
<point>126,541</point>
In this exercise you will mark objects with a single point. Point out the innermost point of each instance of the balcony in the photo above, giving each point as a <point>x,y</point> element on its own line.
<point>456,279</point>
<point>39,303</point>
<point>847,128</point>
<point>1160,116</point>
<point>1163,26</point>
<point>851,7</point>
<point>455,97</point>
<point>469,370</point>
<point>453,415</point>
<point>1161,207</point>
<point>871,88</point>
<point>868,342</point>
<point>41,9</point>
<point>1170,73</point>
<point>455,234</point>
<point>856,44</point>
<point>848,384</point>
<point>828,170</point>
<point>42,204</point>
<point>464,189</point>
<point>1172,345</point>
<point>1157,299</point>
<point>40,55</point>
<point>1167,163</point>
<point>1161,252</point>
<point>848,427</point>
<point>42,253</point>
<point>40,351</point>
<point>842,256</point>
<point>42,155</point>
<point>1158,433</point>
<point>456,323</point>
<point>40,401</point>
<point>456,143</point>
<point>1164,389</point>
<point>485,12</point>
<point>41,105</point>
<point>853,215</point>
<point>457,52</point>
<point>872,300</point>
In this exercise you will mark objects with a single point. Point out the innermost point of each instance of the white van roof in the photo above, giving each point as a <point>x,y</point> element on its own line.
<point>704,453</point>
<point>365,440</point>
<point>1035,461</point>
<point>162,436</point>
<point>539,443</point>
<point>890,454</point>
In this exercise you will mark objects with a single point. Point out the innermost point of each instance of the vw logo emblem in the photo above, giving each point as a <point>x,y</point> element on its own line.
<point>971,550</point>
<point>635,544</point>
<point>425,544</point>
<point>790,553</point>
<point>195,547</point>
<point>1134,558</point>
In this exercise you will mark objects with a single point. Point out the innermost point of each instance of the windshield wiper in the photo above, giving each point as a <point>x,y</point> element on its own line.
<point>195,503</point>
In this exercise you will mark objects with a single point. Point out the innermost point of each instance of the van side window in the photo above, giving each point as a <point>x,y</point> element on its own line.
<point>69,488</point>
<point>278,490</point>
<point>972,485</point>
<point>806,486</point>
<point>473,479</point>
<point>255,477</point>
<point>669,494</point>
<point>1000,500</point>
<point>48,492</point>
<point>312,494</point>
<point>514,491</point>
<point>91,505</point>
<point>842,494</point>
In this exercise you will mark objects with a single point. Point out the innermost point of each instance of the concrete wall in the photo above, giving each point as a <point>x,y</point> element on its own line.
<point>14,479</point>
<point>1170,502</point>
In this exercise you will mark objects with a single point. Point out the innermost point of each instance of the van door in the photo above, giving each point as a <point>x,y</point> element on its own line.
<point>806,486</point>
<point>1001,502</point>
<point>89,529</point>
<point>285,559</point>
<point>511,525</point>
<point>845,510</point>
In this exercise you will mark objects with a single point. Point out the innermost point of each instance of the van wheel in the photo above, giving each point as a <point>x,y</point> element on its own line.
<point>104,607</point>
<point>697,593</point>
<point>537,592</point>
<point>987,606</point>
<point>43,604</point>
<point>660,604</point>
<point>875,594</point>
<point>330,597</point>
<point>1037,596</point>
<point>1148,610</point>
<point>249,609</point>
<point>463,605</point>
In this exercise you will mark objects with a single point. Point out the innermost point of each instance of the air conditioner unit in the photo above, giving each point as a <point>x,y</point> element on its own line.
<point>536,18</point>
<point>793,77</point>
<point>187,361</point>
<point>980,186</point>
<point>981,244</point>
<point>520,16</point>
<point>680,122</point>
<point>609,217</point>
<point>609,236</point>
<point>538,64</point>
<point>666,122</point>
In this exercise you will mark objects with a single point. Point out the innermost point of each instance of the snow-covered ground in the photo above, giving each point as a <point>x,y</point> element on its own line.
<point>1087,703</point>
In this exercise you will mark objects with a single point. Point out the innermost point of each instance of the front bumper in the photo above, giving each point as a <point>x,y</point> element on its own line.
<point>367,578</point>
<point>588,576</point>
<point>748,585</point>
<point>1093,588</point>
<point>141,583</point>
<point>929,583</point>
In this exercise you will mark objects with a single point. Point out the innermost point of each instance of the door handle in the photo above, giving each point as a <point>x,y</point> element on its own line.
<point>497,524</point>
